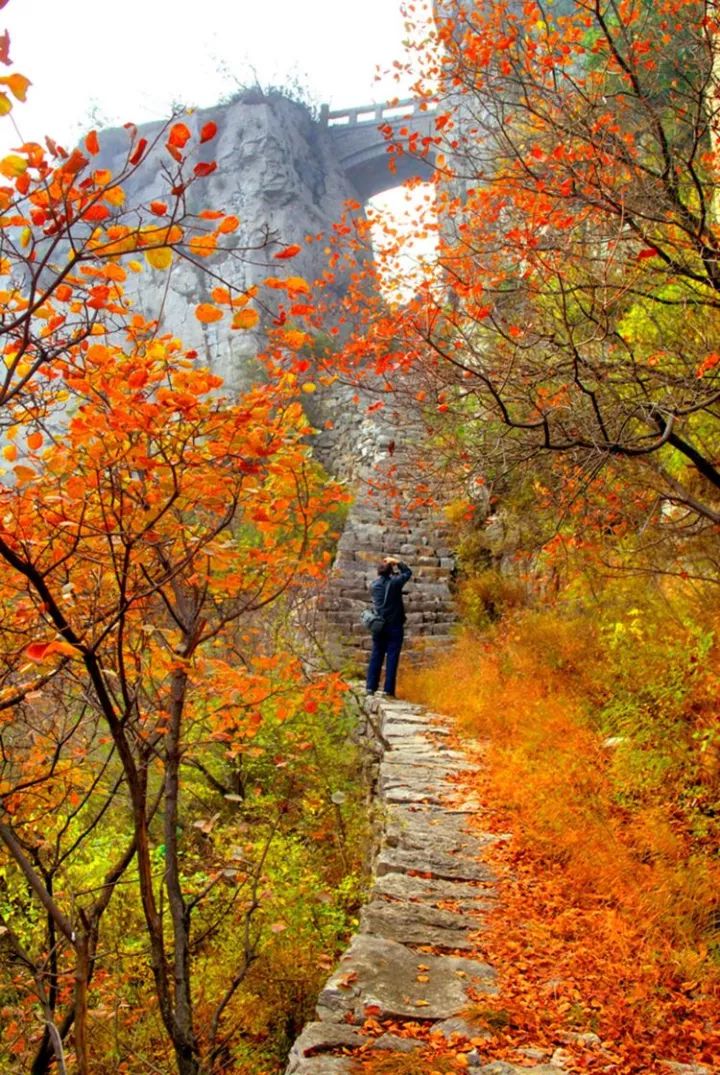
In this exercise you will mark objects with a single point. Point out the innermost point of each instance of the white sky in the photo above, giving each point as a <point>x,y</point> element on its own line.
<point>96,63</point>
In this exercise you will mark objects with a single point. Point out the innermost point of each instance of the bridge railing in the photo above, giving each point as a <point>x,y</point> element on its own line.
<point>375,115</point>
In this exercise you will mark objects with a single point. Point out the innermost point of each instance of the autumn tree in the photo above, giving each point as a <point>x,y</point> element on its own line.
<point>572,311</point>
<point>148,524</point>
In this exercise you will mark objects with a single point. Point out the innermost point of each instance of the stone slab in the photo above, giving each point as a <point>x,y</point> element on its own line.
<point>418,923</point>
<point>382,975</point>
<point>321,1065</point>
<point>324,1037</point>
<point>402,886</point>
<point>421,794</point>
<point>432,864</point>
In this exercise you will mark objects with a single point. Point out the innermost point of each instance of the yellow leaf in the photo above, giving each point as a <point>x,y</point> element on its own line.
<point>114,196</point>
<point>134,266</point>
<point>12,166</point>
<point>10,452</point>
<point>245,319</point>
<point>160,258</point>
<point>5,104</point>
<point>309,387</point>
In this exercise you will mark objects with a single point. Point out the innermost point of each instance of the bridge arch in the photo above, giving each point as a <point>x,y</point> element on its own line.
<point>362,148</point>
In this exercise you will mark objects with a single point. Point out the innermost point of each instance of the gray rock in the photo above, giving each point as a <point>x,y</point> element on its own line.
<point>500,1067</point>
<point>459,1027</point>
<point>395,1044</point>
<point>431,863</point>
<point>321,1065</point>
<point>422,793</point>
<point>402,886</point>
<point>324,1037</point>
<point>413,923</point>
<point>382,974</point>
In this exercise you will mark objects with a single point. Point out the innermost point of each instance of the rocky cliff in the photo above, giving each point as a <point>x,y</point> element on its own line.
<point>277,172</point>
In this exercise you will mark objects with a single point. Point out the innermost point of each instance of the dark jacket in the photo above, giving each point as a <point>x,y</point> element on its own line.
<point>387,595</point>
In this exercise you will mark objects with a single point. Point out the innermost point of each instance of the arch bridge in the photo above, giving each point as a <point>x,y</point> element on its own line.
<point>361,142</point>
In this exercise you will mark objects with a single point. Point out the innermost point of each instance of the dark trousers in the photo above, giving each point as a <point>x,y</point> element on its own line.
<point>386,647</point>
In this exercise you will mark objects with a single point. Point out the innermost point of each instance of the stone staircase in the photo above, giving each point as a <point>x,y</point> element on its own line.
<point>391,516</point>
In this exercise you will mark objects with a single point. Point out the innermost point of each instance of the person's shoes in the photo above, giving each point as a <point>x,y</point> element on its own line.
<point>370,694</point>
<point>387,694</point>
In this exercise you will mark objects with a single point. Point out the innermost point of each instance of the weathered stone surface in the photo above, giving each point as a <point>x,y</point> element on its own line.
<point>402,886</point>
<point>432,864</point>
<point>422,793</point>
<point>321,1065</point>
<point>689,1069</point>
<point>278,172</point>
<point>500,1067</point>
<point>458,1027</point>
<point>419,924</point>
<point>323,1037</point>
<point>395,1044</point>
<point>382,974</point>
<point>434,828</point>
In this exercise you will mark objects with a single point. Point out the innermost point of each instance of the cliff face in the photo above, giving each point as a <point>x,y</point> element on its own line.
<point>277,172</point>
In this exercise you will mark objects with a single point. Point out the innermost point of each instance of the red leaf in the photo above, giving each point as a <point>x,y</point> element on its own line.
<point>91,143</point>
<point>179,135</point>
<point>5,49</point>
<point>96,213</point>
<point>208,132</point>
<point>36,650</point>
<point>203,168</point>
<point>136,155</point>
<point>288,252</point>
<point>75,163</point>
<point>159,208</point>
<point>648,252</point>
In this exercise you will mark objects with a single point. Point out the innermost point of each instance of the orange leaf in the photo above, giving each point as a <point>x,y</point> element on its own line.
<point>202,246</point>
<point>179,135</point>
<point>91,143</point>
<point>17,84</point>
<point>207,313</point>
<point>34,441</point>
<point>208,131</point>
<point>159,208</point>
<point>245,319</point>
<point>297,284</point>
<point>288,252</point>
<point>230,223</point>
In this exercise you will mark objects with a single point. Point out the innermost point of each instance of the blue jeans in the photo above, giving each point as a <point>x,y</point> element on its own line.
<point>386,647</point>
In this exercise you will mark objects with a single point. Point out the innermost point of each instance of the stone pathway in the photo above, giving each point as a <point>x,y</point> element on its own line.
<point>430,891</point>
